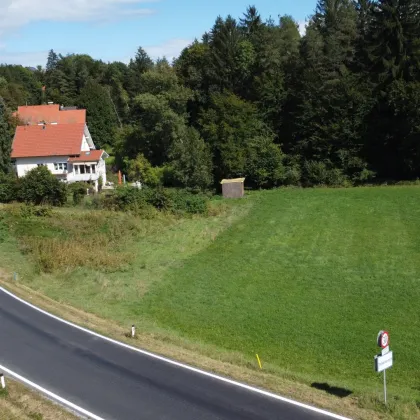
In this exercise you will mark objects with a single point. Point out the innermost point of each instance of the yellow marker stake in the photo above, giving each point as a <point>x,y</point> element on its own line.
<point>259,361</point>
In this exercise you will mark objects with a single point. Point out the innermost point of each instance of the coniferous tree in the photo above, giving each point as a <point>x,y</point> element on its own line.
<point>5,140</point>
<point>100,114</point>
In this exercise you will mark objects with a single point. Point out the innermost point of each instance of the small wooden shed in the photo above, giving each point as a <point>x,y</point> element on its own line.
<point>233,188</point>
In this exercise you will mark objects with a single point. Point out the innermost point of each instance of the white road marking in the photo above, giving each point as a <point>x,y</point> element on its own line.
<point>55,397</point>
<point>182,365</point>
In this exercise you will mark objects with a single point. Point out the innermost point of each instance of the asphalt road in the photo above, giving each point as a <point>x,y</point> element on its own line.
<point>118,383</point>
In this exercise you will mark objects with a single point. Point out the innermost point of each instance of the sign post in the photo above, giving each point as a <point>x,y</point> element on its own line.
<point>384,360</point>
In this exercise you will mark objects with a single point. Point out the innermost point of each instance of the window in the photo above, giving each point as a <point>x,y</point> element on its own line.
<point>88,169</point>
<point>76,169</point>
<point>60,166</point>
<point>82,169</point>
<point>94,169</point>
<point>42,164</point>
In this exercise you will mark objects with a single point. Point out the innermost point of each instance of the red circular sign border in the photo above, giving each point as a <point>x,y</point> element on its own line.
<point>380,339</point>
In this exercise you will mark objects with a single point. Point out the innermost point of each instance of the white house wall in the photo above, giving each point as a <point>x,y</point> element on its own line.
<point>85,145</point>
<point>24,165</point>
<point>102,170</point>
<point>89,138</point>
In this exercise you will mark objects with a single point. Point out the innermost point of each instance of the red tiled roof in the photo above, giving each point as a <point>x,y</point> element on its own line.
<point>92,156</point>
<point>48,140</point>
<point>50,113</point>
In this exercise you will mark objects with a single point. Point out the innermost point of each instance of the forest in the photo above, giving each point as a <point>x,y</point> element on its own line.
<point>251,98</point>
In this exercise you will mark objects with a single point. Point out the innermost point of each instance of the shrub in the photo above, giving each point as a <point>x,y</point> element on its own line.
<point>162,199</point>
<point>315,173</point>
<point>191,163</point>
<point>8,188</point>
<point>264,167</point>
<point>292,171</point>
<point>363,176</point>
<point>79,191</point>
<point>318,173</point>
<point>186,202</point>
<point>140,169</point>
<point>40,186</point>
<point>126,198</point>
<point>159,198</point>
<point>29,210</point>
<point>100,183</point>
<point>336,178</point>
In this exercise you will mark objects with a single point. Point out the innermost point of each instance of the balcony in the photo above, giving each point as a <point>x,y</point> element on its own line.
<point>72,177</point>
<point>59,172</point>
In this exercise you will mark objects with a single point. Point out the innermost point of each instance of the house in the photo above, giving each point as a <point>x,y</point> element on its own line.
<point>59,139</point>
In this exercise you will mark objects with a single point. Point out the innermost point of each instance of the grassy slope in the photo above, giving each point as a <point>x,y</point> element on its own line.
<point>159,245</point>
<point>306,279</point>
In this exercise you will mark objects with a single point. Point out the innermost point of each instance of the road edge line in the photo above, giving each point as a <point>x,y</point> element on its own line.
<point>182,365</point>
<point>50,394</point>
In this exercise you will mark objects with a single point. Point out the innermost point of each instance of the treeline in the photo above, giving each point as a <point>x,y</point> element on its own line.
<point>337,106</point>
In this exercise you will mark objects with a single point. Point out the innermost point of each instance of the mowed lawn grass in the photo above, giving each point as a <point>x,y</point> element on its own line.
<point>306,280</point>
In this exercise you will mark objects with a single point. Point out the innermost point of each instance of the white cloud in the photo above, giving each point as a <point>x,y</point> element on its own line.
<point>14,14</point>
<point>169,49</point>
<point>302,27</point>
<point>30,59</point>
<point>17,13</point>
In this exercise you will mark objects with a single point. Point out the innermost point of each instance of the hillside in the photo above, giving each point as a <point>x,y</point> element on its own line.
<point>304,278</point>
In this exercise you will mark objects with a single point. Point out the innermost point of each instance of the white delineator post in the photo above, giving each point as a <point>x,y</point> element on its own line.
<point>133,331</point>
<point>2,381</point>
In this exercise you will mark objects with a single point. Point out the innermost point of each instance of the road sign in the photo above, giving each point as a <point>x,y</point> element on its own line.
<point>385,351</point>
<point>383,339</point>
<point>383,362</point>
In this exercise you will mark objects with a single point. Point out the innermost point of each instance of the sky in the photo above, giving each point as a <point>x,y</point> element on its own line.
<point>112,30</point>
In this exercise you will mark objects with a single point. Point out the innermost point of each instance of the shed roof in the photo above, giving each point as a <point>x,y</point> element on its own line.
<point>230,181</point>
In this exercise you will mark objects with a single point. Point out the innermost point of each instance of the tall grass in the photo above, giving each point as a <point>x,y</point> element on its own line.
<point>70,239</point>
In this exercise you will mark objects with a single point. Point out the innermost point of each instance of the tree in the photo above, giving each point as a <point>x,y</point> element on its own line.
<point>158,116</point>
<point>141,64</point>
<point>8,188</point>
<point>190,161</point>
<point>140,169</point>
<point>331,101</point>
<point>229,126</point>
<point>251,21</point>
<point>101,117</point>
<point>40,186</point>
<point>155,128</point>
<point>277,47</point>
<point>393,46</point>
<point>231,56</point>
<point>264,163</point>
<point>394,40</point>
<point>5,140</point>
<point>52,61</point>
